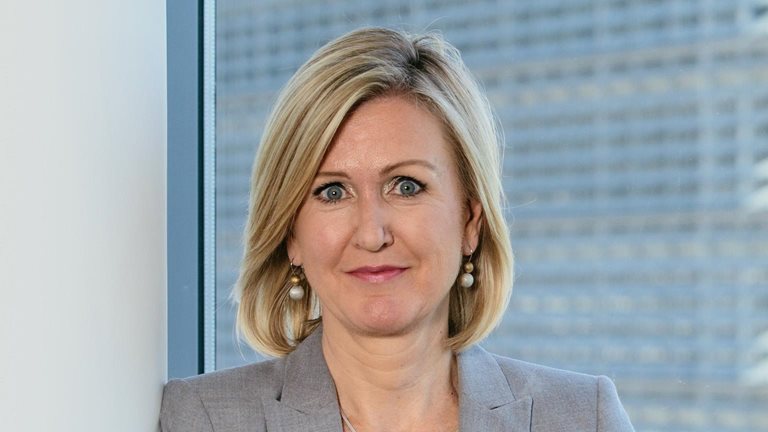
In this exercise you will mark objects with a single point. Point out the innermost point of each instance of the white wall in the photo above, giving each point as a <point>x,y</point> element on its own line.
<point>82,214</point>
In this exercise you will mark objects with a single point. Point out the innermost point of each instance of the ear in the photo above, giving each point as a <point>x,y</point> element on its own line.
<point>472,226</point>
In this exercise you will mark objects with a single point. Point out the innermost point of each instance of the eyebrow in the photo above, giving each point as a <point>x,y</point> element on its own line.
<point>386,170</point>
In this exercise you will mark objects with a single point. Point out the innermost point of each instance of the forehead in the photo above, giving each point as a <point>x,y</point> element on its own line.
<point>388,130</point>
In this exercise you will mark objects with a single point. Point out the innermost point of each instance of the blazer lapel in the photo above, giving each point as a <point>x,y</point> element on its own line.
<point>486,401</point>
<point>282,418</point>
<point>308,400</point>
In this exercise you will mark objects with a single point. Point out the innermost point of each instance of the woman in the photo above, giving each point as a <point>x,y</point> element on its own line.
<point>376,258</point>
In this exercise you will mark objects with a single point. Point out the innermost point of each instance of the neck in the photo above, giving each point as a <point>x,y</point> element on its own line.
<point>394,383</point>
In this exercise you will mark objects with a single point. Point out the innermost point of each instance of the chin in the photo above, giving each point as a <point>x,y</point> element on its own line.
<point>383,330</point>
<point>379,319</point>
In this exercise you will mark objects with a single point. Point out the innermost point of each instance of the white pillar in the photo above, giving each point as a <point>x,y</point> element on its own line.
<point>82,215</point>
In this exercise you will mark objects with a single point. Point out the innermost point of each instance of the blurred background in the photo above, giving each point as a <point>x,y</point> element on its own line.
<point>636,170</point>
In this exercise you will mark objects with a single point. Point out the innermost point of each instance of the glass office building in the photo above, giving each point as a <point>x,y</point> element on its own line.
<point>636,172</point>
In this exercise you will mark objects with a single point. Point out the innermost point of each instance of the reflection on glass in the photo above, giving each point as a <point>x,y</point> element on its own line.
<point>636,171</point>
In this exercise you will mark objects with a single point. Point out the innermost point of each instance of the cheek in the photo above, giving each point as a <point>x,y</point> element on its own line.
<point>320,238</point>
<point>437,234</point>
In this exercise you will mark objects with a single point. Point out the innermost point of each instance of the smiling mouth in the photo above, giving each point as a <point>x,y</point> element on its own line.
<point>377,274</point>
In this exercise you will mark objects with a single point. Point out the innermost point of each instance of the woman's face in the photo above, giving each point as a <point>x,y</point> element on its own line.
<point>382,232</point>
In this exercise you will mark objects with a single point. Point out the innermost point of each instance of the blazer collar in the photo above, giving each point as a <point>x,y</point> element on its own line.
<point>486,400</point>
<point>309,401</point>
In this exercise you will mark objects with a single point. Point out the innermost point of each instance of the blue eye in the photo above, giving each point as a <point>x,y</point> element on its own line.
<point>408,187</point>
<point>332,192</point>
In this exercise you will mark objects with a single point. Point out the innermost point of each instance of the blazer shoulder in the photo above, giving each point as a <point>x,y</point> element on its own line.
<point>225,400</point>
<point>539,379</point>
<point>238,382</point>
<point>182,409</point>
<point>563,399</point>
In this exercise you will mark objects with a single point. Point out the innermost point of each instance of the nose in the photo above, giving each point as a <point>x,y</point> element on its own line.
<point>372,232</point>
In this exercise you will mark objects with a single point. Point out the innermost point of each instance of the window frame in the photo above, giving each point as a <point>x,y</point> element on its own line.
<point>191,212</point>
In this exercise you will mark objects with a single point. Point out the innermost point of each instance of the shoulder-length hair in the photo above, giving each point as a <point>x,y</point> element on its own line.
<point>348,71</point>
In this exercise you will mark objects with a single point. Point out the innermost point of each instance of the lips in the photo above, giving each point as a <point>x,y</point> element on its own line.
<point>377,274</point>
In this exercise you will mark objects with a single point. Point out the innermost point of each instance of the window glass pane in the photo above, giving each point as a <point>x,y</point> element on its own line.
<point>636,170</point>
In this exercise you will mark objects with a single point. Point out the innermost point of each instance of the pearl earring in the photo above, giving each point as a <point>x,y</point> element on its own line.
<point>296,292</point>
<point>466,279</point>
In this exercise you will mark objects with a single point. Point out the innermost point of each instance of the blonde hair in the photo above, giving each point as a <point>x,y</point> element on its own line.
<point>357,67</point>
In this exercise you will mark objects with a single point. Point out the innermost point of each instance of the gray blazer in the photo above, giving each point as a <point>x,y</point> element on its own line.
<point>296,393</point>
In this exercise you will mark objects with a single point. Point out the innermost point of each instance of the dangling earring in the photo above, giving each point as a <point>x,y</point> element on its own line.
<point>296,292</point>
<point>466,279</point>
